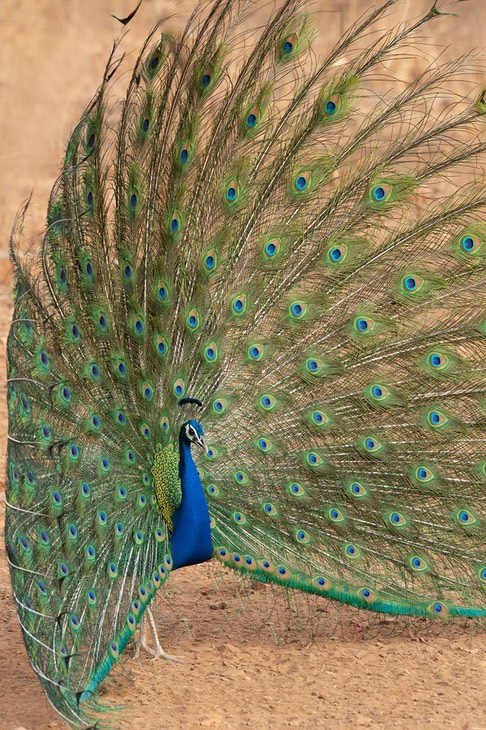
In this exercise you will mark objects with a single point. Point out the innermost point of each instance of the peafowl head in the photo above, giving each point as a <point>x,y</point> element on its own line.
<point>193,433</point>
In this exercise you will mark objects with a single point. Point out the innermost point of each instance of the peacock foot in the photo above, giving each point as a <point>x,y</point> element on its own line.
<point>157,651</point>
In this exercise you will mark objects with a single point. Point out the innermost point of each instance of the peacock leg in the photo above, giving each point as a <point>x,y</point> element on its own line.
<point>141,642</point>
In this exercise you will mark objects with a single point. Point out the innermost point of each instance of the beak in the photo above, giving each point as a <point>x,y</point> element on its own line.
<point>201,442</point>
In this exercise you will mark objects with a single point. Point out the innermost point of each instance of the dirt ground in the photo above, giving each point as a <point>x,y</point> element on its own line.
<point>254,657</point>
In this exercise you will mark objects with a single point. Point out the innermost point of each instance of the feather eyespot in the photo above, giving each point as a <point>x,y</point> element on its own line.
<point>470,244</point>
<point>437,360</point>
<point>271,248</point>
<point>372,445</point>
<point>322,583</point>
<point>319,418</point>
<point>179,388</point>
<point>184,153</point>
<point>264,445</point>
<point>65,394</point>
<point>147,391</point>
<point>337,254</point>
<point>367,595</point>
<point>252,119</point>
<point>296,489</point>
<point>255,352</point>
<point>219,406</point>
<point>313,459</point>
<point>363,325</point>
<point>193,319</point>
<point>313,366</point>
<point>302,536</point>
<point>162,291</point>
<point>161,346</point>
<point>175,223</point>
<point>232,192</point>
<point>465,517</point>
<point>298,309</point>
<point>335,515</point>
<point>145,431</point>
<point>138,325</point>
<point>211,260</point>
<point>436,419</point>
<point>270,509</point>
<point>332,105</point>
<point>396,519</point>
<point>417,564</point>
<point>424,474</point>
<point>288,46</point>
<point>357,490</point>
<point>412,283</point>
<point>381,193</point>
<point>266,565</point>
<point>439,610</point>
<point>351,551</point>
<point>223,553</point>
<point>379,393</point>
<point>211,353</point>
<point>239,304</point>
<point>164,423</point>
<point>74,451</point>
<point>302,181</point>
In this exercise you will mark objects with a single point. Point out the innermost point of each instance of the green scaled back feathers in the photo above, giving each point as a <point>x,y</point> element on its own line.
<point>307,258</point>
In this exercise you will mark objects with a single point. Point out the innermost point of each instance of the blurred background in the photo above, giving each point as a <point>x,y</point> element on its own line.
<point>53,52</point>
<point>52,57</point>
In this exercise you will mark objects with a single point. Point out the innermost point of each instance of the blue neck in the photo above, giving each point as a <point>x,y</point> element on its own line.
<point>191,536</point>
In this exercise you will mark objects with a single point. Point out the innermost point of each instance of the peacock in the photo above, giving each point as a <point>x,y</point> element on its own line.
<point>255,331</point>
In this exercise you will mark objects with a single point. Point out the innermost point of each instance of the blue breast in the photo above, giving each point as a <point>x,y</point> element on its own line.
<point>191,536</point>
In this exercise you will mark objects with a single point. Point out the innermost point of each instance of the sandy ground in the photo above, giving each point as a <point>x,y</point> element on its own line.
<point>254,657</point>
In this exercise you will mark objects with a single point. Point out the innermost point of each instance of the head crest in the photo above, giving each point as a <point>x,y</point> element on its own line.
<point>184,401</point>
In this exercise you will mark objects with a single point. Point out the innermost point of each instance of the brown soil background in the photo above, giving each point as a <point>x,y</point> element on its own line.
<point>255,657</point>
